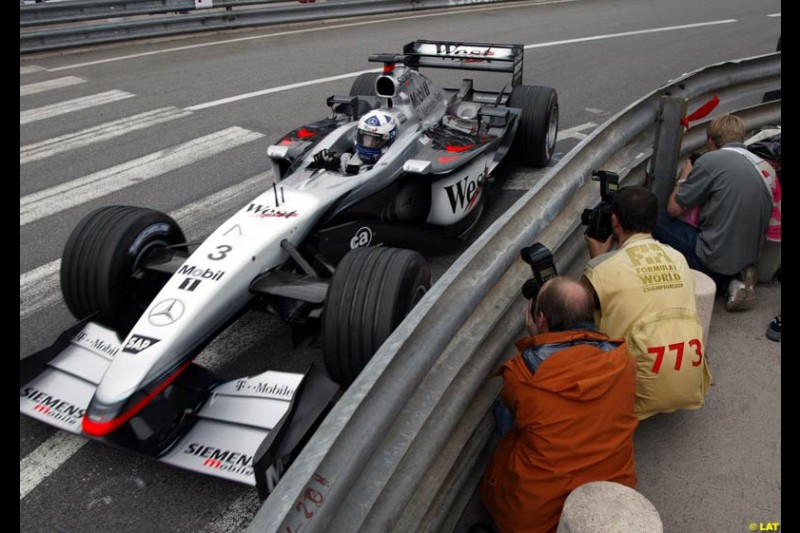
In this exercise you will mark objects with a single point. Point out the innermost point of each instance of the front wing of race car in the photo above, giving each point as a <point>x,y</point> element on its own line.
<point>246,430</point>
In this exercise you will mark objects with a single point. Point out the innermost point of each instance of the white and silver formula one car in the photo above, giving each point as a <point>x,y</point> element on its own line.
<point>334,247</point>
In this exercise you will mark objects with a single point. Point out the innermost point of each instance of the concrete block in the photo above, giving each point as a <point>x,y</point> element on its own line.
<point>769,262</point>
<point>704,292</point>
<point>607,507</point>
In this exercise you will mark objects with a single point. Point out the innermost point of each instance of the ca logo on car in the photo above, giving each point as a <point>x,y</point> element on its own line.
<point>362,238</point>
<point>166,312</point>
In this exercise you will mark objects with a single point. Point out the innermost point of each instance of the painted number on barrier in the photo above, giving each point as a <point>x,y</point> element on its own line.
<point>678,348</point>
<point>312,500</point>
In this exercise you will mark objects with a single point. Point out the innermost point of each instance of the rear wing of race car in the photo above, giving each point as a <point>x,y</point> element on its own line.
<point>488,57</point>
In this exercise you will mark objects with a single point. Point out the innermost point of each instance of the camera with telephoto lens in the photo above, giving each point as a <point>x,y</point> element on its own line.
<point>542,265</point>
<point>598,220</point>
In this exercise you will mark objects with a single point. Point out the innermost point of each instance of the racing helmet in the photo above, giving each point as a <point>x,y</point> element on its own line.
<point>376,133</point>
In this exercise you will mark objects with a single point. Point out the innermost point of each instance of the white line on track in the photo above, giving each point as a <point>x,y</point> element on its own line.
<point>192,217</point>
<point>237,516</point>
<point>69,106</point>
<point>277,89</point>
<point>29,69</point>
<point>576,131</point>
<point>449,12</point>
<point>540,45</point>
<point>95,134</point>
<point>774,15</point>
<point>630,33</point>
<point>73,193</point>
<point>40,288</point>
<point>523,181</point>
<point>45,459</point>
<point>33,88</point>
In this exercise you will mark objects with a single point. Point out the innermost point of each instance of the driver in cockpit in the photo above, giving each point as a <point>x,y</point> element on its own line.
<point>376,132</point>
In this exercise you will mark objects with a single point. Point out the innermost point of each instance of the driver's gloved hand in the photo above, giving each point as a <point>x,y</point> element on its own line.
<point>327,159</point>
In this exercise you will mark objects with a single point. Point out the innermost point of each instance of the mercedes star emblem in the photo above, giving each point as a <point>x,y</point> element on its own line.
<point>166,312</point>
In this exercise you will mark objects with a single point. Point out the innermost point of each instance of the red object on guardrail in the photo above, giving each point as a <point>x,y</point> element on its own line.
<point>700,112</point>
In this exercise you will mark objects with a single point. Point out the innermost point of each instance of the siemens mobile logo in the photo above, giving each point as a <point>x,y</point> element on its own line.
<point>218,459</point>
<point>53,407</point>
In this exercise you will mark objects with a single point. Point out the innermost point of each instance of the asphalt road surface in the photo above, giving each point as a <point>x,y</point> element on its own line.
<point>221,100</point>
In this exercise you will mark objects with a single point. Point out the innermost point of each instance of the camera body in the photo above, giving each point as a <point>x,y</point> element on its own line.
<point>542,265</point>
<point>598,220</point>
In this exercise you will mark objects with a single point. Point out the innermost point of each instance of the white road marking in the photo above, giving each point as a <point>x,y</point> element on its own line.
<point>278,89</point>
<point>575,132</point>
<point>33,88</point>
<point>237,516</point>
<point>70,194</point>
<point>29,69</point>
<point>524,180</point>
<point>45,459</point>
<point>449,12</point>
<point>594,111</point>
<point>354,74</point>
<point>192,216</point>
<point>95,134</point>
<point>40,288</point>
<point>629,33</point>
<point>774,15</point>
<point>69,106</point>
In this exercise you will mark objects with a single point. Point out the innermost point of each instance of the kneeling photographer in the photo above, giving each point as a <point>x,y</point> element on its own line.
<point>566,404</point>
<point>644,292</point>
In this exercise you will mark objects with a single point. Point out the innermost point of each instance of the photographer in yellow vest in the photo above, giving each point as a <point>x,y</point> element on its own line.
<point>644,292</point>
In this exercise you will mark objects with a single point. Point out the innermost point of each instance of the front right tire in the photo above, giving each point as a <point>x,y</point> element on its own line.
<point>371,292</point>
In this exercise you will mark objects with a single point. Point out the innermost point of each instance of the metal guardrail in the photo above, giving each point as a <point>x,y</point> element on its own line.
<point>164,18</point>
<point>404,447</point>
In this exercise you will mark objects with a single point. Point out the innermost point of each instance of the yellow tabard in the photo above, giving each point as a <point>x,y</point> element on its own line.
<point>646,294</point>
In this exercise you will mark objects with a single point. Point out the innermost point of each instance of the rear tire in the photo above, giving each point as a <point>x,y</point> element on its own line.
<point>101,256</point>
<point>371,292</point>
<point>536,136</point>
<point>364,84</point>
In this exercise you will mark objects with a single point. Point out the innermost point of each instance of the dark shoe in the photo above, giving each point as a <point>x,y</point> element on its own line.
<point>742,291</point>
<point>774,329</point>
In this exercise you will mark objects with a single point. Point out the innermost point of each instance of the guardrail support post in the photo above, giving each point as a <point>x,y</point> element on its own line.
<point>669,135</point>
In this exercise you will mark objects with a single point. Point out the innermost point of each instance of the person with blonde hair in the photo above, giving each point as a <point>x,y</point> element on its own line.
<point>735,206</point>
